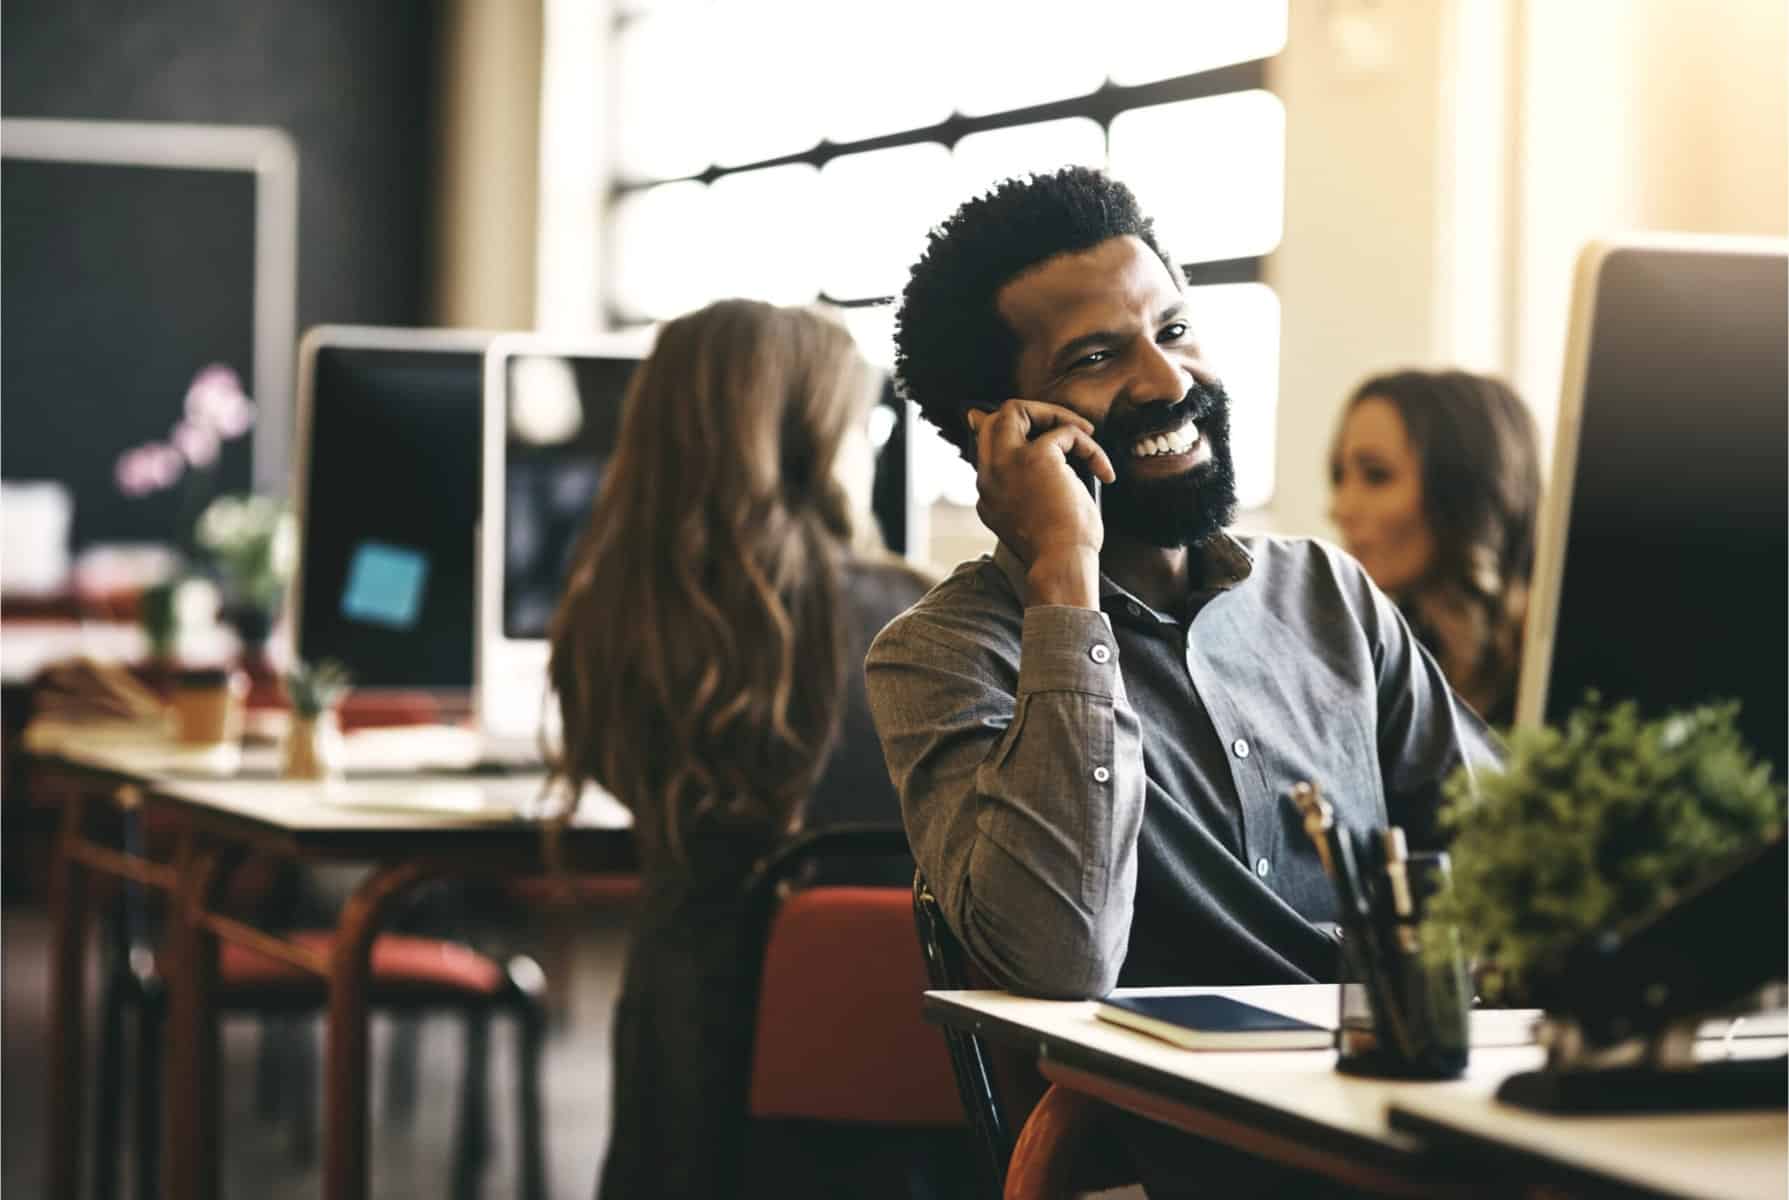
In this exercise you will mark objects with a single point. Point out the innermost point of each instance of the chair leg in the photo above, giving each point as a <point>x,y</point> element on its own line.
<point>108,1147</point>
<point>473,1136</point>
<point>531,1137</point>
<point>148,1093</point>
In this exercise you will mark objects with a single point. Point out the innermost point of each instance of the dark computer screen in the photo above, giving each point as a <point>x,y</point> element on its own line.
<point>1676,585</point>
<point>564,413</point>
<point>121,283</point>
<point>391,512</point>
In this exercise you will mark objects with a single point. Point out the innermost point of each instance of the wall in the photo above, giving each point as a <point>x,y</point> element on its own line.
<point>353,84</point>
<point>1447,159</point>
<point>1638,115</point>
<point>489,146</point>
<point>1356,272</point>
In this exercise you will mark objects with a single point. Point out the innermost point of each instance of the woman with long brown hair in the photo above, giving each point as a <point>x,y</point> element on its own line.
<point>1436,487</point>
<point>707,659</point>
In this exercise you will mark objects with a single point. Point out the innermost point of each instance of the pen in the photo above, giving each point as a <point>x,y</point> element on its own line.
<point>1335,849</point>
<point>1397,856</point>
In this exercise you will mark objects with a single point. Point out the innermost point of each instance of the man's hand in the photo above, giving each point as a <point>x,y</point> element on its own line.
<point>1033,501</point>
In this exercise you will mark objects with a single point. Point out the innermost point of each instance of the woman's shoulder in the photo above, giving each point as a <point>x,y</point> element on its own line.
<point>884,585</point>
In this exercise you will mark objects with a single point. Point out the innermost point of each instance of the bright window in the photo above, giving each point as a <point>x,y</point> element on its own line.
<point>1212,172</point>
<point>1181,37</point>
<point>761,227</point>
<point>875,209</point>
<point>738,170</point>
<point>1237,327</point>
<point>660,258</point>
<point>984,159</point>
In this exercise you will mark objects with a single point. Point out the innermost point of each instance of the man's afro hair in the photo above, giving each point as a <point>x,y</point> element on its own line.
<point>952,348</point>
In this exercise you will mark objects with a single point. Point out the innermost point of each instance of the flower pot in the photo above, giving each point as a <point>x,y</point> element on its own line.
<point>312,748</point>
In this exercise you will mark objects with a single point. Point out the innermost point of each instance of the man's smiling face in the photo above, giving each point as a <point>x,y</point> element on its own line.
<point>1104,332</point>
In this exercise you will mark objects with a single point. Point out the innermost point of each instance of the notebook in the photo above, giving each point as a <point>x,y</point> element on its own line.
<point>1210,1022</point>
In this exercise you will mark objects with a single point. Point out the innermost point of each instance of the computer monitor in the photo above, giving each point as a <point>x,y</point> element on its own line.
<point>1660,571</point>
<point>136,254</point>
<point>387,494</point>
<point>552,409</point>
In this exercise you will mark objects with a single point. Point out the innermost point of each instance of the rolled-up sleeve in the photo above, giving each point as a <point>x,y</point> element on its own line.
<point>1020,768</point>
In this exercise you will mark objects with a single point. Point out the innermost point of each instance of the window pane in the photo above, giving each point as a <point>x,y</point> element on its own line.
<point>662,63</point>
<point>662,262</point>
<point>761,226</point>
<point>877,83</point>
<point>873,327</point>
<point>1211,172</point>
<point>1188,36</point>
<point>984,159</point>
<point>875,211</point>
<point>760,97</point>
<point>1028,52</point>
<point>1237,326</point>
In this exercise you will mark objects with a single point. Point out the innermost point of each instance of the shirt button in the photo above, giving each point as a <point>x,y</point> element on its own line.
<point>1130,606</point>
<point>1336,932</point>
<point>1100,774</point>
<point>1100,654</point>
<point>1241,748</point>
<point>1262,867</point>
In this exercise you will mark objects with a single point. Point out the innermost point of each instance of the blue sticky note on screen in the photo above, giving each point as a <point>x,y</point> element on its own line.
<point>385,585</point>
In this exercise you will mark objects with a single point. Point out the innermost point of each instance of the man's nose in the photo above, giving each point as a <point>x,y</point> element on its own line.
<point>1158,378</point>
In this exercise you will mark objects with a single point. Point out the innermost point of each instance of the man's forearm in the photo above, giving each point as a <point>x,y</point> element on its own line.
<point>1023,809</point>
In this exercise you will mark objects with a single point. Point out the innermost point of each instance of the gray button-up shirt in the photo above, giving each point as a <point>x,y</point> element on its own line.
<point>1098,798</point>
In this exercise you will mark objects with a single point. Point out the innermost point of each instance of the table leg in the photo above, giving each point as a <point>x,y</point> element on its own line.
<point>68,997</point>
<point>190,1161</point>
<point>345,1164</point>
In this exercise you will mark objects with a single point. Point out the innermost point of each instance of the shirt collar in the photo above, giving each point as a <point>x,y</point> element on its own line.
<point>1227,563</point>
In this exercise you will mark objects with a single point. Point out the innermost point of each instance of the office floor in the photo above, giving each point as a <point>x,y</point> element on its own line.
<point>406,1162</point>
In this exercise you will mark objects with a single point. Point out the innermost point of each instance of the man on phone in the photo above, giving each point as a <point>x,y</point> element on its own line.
<point>1094,730</point>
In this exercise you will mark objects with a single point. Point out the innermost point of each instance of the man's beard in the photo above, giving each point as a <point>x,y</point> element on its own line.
<point>1186,509</point>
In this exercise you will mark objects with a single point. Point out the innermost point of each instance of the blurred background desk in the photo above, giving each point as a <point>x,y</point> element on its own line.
<point>411,828</point>
<point>1294,1108</point>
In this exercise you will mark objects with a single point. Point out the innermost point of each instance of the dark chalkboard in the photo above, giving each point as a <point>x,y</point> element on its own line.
<point>120,284</point>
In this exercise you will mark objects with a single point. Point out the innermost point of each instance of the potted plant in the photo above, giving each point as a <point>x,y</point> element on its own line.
<point>313,744</point>
<point>1605,818</point>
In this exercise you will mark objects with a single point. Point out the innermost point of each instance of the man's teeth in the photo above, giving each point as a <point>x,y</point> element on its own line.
<point>1174,441</point>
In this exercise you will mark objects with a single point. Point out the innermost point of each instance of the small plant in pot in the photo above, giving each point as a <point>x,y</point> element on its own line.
<point>1605,818</point>
<point>313,744</point>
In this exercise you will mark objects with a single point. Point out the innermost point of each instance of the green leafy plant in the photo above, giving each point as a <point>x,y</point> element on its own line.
<point>316,689</point>
<point>1601,820</point>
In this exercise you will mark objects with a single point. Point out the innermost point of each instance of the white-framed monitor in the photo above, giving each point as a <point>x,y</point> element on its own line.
<point>552,409</point>
<point>386,488</point>
<point>1660,567</point>
<point>136,254</point>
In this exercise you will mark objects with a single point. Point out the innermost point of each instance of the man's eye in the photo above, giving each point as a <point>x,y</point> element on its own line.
<point>1090,360</point>
<point>1172,333</point>
<point>1375,476</point>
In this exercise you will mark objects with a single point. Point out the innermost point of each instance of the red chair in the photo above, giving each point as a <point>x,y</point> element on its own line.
<point>409,976</point>
<point>839,1035</point>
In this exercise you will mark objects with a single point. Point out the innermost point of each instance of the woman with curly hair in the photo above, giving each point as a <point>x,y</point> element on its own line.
<point>706,658</point>
<point>1436,484</point>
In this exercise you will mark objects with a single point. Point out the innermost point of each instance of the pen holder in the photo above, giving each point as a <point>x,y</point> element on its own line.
<point>1405,1012</point>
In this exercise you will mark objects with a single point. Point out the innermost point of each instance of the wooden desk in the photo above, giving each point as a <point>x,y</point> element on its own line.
<point>1293,1106</point>
<point>410,828</point>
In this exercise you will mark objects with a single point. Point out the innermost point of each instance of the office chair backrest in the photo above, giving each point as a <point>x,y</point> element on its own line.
<point>839,1036</point>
